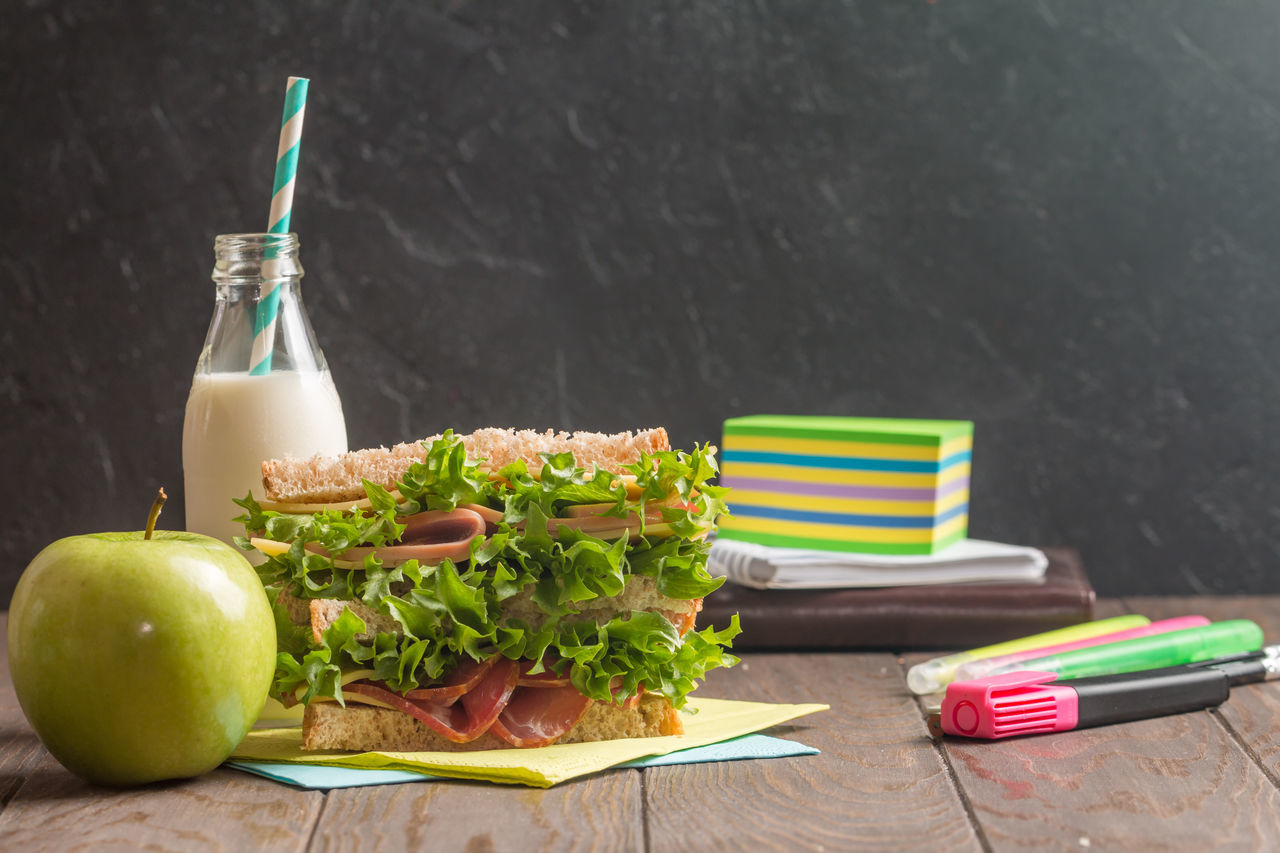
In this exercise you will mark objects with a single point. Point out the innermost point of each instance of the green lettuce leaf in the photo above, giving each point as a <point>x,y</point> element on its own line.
<point>605,662</point>
<point>445,479</point>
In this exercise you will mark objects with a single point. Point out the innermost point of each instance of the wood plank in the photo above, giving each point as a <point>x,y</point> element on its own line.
<point>1250,715</point>
<point>598,813</point>
<point>879,782</point>
<point>1176,782</point>
<point>1263,609</point>
<point>1109,607</point>
<point>20,750</point>
<point>1253,709</point>
<point>223,810</point>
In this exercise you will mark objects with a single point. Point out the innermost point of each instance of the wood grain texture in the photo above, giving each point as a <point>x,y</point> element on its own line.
<point>878,784</point>
<point>603,812</point>
<point>223,810</point>
<point>1263,609</point>
<point>1171,783</point>
<point>20,749</point>
<point>1252,712</point>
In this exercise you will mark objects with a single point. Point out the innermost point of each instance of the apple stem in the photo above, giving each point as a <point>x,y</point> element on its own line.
<point>156,506</point>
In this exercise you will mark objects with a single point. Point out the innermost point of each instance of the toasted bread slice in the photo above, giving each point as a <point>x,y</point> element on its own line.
<point>335,479</point>
<point>327,725</point>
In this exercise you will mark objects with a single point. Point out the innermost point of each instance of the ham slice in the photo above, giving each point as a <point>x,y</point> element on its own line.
<point>437,527</point>
<point>434,536</point>
<point>540,717</point>
<point>429,537</point>
<point>491,516</point>
<point>394,555</point>
<point>593,523</point>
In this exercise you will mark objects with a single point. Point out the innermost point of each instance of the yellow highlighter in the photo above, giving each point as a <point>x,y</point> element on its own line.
<point>934,675</point>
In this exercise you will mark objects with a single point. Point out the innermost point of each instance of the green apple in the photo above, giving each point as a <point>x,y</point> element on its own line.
<point>137,657</point>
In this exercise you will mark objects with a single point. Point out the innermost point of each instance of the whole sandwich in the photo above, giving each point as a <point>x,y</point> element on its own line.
<point>498,589</point>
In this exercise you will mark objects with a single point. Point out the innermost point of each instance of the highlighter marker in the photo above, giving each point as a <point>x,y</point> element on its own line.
<point>1029,702</point>
<point>933,675</point>
<point>1258,654</point>
<point>979,668</point>
<point>1171,649</point>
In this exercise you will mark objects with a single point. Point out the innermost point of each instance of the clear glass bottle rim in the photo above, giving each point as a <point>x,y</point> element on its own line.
<point>248,258</point>
<point>249,246</point>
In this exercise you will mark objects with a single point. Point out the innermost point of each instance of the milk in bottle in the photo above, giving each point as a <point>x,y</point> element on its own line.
<point>235,419</point>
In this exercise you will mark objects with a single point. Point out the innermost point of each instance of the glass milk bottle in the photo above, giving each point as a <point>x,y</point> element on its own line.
<point>236,418</point>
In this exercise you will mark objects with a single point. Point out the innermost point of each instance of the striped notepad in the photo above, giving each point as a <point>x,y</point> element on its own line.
<point>869,485</point>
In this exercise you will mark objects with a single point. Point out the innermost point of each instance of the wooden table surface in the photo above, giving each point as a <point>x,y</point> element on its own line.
<point>1193,782</point>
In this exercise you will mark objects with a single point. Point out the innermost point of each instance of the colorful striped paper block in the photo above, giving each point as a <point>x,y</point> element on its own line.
<point>870,485</point>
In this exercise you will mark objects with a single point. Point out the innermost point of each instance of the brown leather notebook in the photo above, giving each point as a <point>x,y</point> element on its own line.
<point>938,616</point>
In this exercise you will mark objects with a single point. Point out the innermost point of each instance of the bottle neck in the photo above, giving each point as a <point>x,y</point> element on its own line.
<point>246,268</point>
<point>253,258</point>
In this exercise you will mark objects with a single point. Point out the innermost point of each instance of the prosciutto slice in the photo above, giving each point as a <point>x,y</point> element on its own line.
<point>539,717</point>
<point>546,678</point>
<point>496,695</point>
<point>490,697</point>
<point>464,720</point>
<point>465,676</point>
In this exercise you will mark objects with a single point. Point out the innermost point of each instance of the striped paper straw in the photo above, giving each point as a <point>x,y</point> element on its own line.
<point>264,327</point>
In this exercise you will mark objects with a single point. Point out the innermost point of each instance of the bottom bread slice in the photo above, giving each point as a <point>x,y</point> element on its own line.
<point>327,725</point>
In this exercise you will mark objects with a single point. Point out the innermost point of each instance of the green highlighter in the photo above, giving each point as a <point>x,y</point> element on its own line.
<point>1175,648</point>
<point>934,675</point>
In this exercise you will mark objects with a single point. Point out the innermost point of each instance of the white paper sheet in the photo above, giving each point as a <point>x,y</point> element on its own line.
<point>967,561</point>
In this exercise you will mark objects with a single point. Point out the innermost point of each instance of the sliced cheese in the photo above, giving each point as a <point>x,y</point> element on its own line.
<point>308,509</point>
<point>347,678</point>
<point>584,510</point>
<point>270,547</point>
<point>367,700</point>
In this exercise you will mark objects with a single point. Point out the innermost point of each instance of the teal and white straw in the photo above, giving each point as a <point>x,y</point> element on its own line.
<point>264,327</point>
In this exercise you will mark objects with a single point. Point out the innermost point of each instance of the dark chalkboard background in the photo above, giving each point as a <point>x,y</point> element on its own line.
<point>1057,219</point>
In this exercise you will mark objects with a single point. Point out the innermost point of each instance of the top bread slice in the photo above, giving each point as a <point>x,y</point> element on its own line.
<point>336,479</point>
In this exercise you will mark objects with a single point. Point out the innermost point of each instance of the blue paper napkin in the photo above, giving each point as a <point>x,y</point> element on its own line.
<point>325,776</point>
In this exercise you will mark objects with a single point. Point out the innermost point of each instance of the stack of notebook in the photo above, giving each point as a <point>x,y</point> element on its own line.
<point>851,533</point>
<point>934,616</point>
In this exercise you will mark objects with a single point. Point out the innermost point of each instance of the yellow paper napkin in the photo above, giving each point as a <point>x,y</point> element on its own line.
<point>715,720</point>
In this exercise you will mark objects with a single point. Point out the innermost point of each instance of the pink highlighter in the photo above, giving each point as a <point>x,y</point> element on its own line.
<point>979,668</point>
